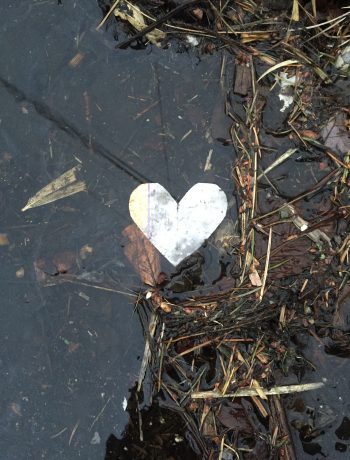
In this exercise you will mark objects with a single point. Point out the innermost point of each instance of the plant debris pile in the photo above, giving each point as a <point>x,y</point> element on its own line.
<point>255,27</point>
<point>221,355</point>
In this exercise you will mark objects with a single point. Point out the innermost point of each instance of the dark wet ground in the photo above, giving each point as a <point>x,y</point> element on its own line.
<point>71,351</point>
<point>321,419</point>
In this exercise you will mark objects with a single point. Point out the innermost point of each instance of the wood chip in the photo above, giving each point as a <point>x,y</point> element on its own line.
<point>243,79</point>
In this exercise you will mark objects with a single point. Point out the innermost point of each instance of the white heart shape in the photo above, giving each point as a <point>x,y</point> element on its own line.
<point>177,229</point>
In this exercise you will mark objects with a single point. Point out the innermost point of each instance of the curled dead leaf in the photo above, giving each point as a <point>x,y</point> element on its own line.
<point>255,277</point>
<point>135,17</point>
<point>159,302</point>
<point>142,255</point>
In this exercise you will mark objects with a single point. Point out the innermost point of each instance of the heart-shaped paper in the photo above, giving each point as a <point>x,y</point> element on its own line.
<point>177,229</point>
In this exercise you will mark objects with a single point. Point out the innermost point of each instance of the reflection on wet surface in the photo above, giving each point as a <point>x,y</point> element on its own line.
<point>71,344</point>
<point>320,419</point>
<point>156,432</point>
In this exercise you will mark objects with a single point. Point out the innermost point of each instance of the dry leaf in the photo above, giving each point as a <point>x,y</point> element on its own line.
<point>209,425</point>
<point>263,358</point>
<point>251,260</point>
<point>65,185</point>
<point>295,11</point>
<point>335,134</point>
<point>142,255</point>
<point>159,302</point>
<point>255,277</point>
<point>4,241</point>
<point>308,133</point>
<point>134,16</point>
<point>233,415</point>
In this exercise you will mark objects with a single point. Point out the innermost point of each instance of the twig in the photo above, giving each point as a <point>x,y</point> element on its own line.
<point>279,414</point>
<point>65,278</point>
<point>314,189</point>
<point>147,352</point>
<point>242,392</point>
<point>279,161</point>
<point>59,433</point>
<point>112,8</point>
<point>73,432</point>
<point>254,194</point>
<point>100,413</point>
<point>222,443</point>
<point>286,63</point>
<point>196,347</point>
<point>267,262</point>
<point>328,22</point>
<point>336,159</point>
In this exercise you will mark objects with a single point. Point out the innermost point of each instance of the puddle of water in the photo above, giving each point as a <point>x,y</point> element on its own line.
<point>320,419</point>
<point>70,351</point>
<point>71,346</point>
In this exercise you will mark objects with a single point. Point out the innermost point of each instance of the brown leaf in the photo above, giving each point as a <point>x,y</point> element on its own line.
<point>64,261</point>
<point>198,13</point>
<point>233,416</point>
<point>72,347</point>
<point>335,134</point>
<point>142,255</point>
<point>159,302</point>
<point>308,133</point>
<point>4,241</point>
<point>209,425</point>
<point>255,277</point>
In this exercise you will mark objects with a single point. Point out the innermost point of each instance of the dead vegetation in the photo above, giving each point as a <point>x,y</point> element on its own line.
<point>220,358</point>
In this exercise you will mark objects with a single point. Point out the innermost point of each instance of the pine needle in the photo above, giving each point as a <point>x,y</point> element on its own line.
<point>286,63</point>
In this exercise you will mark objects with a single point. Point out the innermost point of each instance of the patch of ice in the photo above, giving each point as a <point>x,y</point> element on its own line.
<point>192,40</point>
<point>125,403</point>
